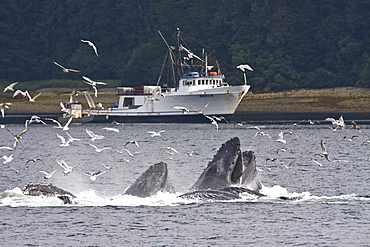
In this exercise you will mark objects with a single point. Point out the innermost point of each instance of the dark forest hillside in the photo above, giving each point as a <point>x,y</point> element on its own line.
<point>290,44</point>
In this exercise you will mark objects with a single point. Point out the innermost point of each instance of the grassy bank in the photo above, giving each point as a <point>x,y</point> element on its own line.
<point>340,100</point>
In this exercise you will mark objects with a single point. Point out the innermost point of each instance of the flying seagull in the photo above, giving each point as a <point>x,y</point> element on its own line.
<point>67,168</point>
<point>155,133</point>
<point>92,45</point>
<point>66,70</point>
<point>94,175</point>
<point>182,108</point>
<point>243,67</point>
<point>24,94</point>
<point>48,175</point>
<point>63,140</point>
<point>4,106</point>
<point>32,99</point>
<point>65,127</point>
<point>324,152</point>
<point>93,136</point>
<point>99,150</point>
<point>10,87</point>
<point>7,159</point>
<point>93,84</point>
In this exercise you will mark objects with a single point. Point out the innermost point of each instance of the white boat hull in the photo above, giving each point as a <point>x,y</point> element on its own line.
<point>218,102</point>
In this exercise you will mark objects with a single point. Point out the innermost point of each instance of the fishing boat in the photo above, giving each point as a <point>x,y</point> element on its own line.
<point>199,92</point>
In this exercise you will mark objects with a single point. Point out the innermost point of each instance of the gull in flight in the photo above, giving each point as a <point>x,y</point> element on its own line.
<point>94,136</point>
<point>71,139</point>
<point>350,138</point>
<point>181,108</point>
<point>35,160</point>
<point>65,127</point>
<point>324,152</point>
<point>213,121</point>
<point>286,166</point>
<point>316,162</point>
<point>24,94</point>
<point>190,54</point>
<point>281,136</point>
<point>131,142</point>
<point>172,150</point>
<point>155,133</point>
<point>92,45</point>
<point>202,110</point>
<point>4,106</point>
<point>308,121</point>
<point>32,99</point>
<point>111,129</point>
<point>99,150</point>
<point>281,150</point>
<point>129,153</point>
<point>36,119</point>
<point>93,84</point>
<point>339,123</point>
<point>15,170</point>
<point>66,70</point>
<point>10,87</point>
<point>94,175</point>
<point>63,108</point>
<point>220,118</point>
<point>262,134</point>
<point>355,126</point>
<point>63,140</point>
<point>67,168</point>
<point>117,123</point>
<point>7,159</point>
<point>243,67</point>
<point>48,175</point>
<point>9,148</point>
<point>17,137</point>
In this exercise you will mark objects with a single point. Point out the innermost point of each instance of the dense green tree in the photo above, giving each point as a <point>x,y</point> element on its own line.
<point>290,44</point>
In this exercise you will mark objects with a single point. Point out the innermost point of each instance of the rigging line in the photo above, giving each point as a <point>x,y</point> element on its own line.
<point>168,46</point>
<point>163,65</point>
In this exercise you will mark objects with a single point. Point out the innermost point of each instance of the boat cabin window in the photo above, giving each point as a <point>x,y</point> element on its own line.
<point>128,101</point>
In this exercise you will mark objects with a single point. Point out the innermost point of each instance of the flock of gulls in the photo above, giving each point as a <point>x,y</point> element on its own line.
<point>126,152</point>
<point>26,94</point>
<point>66,140</point>
<point>324,154</point>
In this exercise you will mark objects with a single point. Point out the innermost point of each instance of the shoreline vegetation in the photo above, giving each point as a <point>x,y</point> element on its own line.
<point>330,100</point>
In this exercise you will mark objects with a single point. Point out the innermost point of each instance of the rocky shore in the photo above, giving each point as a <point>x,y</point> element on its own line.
<point>333,100</point>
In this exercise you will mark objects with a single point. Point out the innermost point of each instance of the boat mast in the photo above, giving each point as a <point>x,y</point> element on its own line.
<point>172,61</point>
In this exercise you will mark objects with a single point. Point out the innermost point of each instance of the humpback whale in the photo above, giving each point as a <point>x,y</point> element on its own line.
<point>230,167</point>
<point>230,173</point>
<point>48,190</point>
<point>153,180</point>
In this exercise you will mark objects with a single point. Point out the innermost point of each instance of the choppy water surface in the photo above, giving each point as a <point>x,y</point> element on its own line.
<point>332,209</point>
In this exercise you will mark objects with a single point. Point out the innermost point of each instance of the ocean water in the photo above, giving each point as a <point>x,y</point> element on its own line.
<point>331,206</point>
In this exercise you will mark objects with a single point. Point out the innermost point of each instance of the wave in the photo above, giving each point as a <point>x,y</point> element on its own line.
<point>275,194</point>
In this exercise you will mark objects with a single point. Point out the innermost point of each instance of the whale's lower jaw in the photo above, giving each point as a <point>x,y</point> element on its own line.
<point>227,193</point>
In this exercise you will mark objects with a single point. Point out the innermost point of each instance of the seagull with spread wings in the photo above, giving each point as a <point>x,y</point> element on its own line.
<point>92,45</point>
<point>66,70</point>
<point>10,87</point>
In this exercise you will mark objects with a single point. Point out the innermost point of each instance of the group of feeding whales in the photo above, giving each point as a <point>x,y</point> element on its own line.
<point>230,173</point>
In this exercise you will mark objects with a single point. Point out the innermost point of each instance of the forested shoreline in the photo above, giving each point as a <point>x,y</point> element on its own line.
<point>289,44</point>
